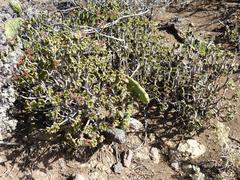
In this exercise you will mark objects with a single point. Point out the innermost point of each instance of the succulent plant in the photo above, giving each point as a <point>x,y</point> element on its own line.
<point>12,26</point>
<point>16,5</point>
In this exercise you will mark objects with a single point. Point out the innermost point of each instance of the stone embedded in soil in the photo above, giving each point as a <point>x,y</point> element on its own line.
<point>154,155</point>
<point>193,171</point>
<point>198,175</point>
<point>175,165</point>
<point>39,175</point>
<point>98,175</point>
<point>192,147</point>
<point>222,132</point>
<point>135,124</point>
<point>170,144</point>
<point>142,153</point>
<point>117,135</point>
<point>3,159</point>
<point>79,177</point>
<point>127,159</point>
<point>191,24</point>
<point>187,168</point>
<point>117,168</point>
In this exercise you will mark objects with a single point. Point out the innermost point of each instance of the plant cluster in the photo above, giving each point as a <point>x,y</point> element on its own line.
<point>230,30</point>
<point>82,70</point>
<point>192,84</point>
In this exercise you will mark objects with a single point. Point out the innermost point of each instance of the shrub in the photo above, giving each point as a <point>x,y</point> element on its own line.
<point>66,81</point>
<point>229,30</point>
<point>73,80</point>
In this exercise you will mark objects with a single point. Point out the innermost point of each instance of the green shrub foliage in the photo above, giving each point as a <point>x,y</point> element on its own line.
<point>75,74</point>
<point>231,32</point>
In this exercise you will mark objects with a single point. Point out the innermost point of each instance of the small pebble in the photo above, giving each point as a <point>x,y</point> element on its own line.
<point>154,155</point>
<point>127,159</point>
<point>79,177</point>
<point>188,168</point>
<point>117,135</point>
<point>191,24</point>
<point>170,144</point>
<point>175,165</point>
<point>117,168</point>
<point>192,147</point>
<point>135,124</point>
<point>3,159</point>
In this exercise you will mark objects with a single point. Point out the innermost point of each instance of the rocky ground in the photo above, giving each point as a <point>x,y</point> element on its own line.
<point>214,153</point>
<point>8,63</point>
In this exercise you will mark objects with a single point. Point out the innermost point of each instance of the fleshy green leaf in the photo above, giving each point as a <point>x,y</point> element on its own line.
<point>16,6</point>
<point>202,48</point>
<point>136,89</point>
<point>12,26</point>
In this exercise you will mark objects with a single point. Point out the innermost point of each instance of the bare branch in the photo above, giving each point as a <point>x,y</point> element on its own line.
<point>8,143</point>
<point>124,17</point>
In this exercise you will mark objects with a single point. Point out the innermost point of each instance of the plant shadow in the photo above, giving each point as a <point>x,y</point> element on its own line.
<point>35,151</point>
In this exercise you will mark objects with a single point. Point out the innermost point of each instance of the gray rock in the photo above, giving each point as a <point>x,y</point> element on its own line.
<point>192,147</point>
<point>117,135</point>
<point>79,177</point>
<point>222,132</point>
<point>198,175</point>
<point>170,144</point>
<point>10,124</point>
<point>188,169</point>
<point>127,159</point>
<point>3,159</point>
<point>142,154</point>
<point>39,175</point>
<point>175,165</point>
<point>191,24</point>
<point>135,124</point>
<point>154,155</point>
<point>117,168</point>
